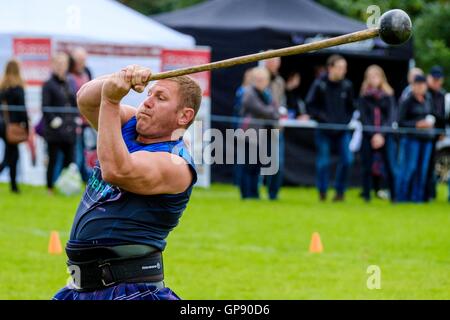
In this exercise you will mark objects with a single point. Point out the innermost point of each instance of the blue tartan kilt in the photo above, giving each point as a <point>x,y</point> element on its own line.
<point>122,291</point>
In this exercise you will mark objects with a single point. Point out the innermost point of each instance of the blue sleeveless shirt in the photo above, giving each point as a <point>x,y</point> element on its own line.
<point>108,215</point>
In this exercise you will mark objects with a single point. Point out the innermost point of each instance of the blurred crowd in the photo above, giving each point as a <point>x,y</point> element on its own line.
<point>63,129</point>
<point>396,139</point>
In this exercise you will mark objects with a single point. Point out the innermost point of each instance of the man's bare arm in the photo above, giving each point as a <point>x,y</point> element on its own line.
<point>151,173</point>
<point>140,172</point>
<point>89,98</point>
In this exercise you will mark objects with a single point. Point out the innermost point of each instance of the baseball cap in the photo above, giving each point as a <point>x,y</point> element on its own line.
<point>419,79</point>
<point>437,72</point>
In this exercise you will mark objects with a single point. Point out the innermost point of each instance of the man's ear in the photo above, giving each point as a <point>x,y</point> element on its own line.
<point>187,115</point>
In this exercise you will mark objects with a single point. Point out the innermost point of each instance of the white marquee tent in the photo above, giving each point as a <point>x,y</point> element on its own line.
<point>105,21</point>
<point>113,34</point>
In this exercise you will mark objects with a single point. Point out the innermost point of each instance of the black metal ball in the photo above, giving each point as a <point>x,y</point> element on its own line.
<point>395,27</point>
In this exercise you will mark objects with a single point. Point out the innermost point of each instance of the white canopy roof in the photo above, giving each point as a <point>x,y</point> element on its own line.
<point>99,21</point>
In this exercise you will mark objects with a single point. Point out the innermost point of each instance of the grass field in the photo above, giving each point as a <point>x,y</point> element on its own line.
<point>225,248</point>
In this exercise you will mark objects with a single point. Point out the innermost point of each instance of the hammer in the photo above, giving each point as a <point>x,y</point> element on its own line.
<point>394,28</point>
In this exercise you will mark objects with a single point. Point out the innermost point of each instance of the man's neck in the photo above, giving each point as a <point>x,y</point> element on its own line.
<point>333,79</point>
<point>419,97</point>
<point>60,77</point>
<point>151,140</point>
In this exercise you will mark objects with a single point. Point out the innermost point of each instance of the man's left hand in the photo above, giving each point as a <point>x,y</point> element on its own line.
<point>117,86</point>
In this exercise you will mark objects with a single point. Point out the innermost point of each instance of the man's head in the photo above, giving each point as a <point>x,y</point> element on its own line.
<point>273,65</point>
<point>435,78</point>
<point>419,86</point>
<point>171,104</point>
<point>260,78</point>
<point>79,56</point>
<point>412,73</point>
<point>337,67</point>
<point>60,64</point>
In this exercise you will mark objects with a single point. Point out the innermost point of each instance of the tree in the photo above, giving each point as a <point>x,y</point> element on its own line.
<point>431,27</point>
<point>358,9</point>
<point>149,7</point>
<point>432,38</point>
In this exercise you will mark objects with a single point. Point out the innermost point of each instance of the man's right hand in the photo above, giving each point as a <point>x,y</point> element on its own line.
<point>423,124</point>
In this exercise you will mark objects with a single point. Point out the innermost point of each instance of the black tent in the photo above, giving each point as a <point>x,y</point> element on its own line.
<point>237,27</point>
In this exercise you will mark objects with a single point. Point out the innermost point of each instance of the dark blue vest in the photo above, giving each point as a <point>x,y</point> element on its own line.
<point>108,215</point>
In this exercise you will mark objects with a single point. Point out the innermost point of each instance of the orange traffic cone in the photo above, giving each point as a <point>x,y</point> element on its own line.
<point>54,246</point>
<point>316,243</point>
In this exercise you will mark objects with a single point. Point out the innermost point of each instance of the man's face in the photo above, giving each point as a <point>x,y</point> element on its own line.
<point>261,81</point>
<point>158,115</point>
<point>435,83</point>
<point>273,65</point>
<point>80,60</point>
<point>338,70</point>
<point>419,88</point>
<point>60,65</point>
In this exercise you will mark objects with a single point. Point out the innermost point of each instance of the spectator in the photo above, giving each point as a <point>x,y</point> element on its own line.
<point>295,105</point>
<point>375,105</point>
<point>12,93</point>
<point>60,126</point>
<point>255,105</point>
<point>78,75</point>
<point>435,80</point>
<point>246,80</point>
<point>330,101</point>
<point>237,174</point>
<point>278,100</point>
<point>415,149</point>
<point>412,73</point>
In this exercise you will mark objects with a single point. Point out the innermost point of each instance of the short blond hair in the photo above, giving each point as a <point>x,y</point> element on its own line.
<point>189,92</point>
<point>259,72</point>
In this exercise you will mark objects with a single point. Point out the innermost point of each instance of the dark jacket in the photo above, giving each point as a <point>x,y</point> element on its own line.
<point>256,105</point>
<point>295,104</point>
<point>57,93</point>
<point>438,107</point>
<point>372,103</point>
<point>15,98</point>
<point>330,102</point>
<point>412,111</point>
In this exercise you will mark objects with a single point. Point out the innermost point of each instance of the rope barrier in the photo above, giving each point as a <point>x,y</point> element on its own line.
<point>283,123</point>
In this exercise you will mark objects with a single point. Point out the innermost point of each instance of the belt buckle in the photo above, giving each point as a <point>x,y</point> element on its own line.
<point>101,266</point>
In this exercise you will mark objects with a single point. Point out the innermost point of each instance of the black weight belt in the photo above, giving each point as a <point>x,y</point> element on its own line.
<point>97,268</point>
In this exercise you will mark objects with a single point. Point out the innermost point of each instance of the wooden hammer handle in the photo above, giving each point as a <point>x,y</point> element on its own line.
<point>303,48</point>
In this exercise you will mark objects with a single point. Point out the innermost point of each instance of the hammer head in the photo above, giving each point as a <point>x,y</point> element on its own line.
<point>395,27</point>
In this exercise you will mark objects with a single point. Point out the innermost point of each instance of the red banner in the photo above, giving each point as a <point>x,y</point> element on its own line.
<point>35,58</point>
<point>176,59</point>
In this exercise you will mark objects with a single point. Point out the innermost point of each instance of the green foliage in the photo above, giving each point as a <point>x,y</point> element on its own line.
<point>430,22</point>
<point>149,7</point>
<point>432,42</point>
<point>358,9</point>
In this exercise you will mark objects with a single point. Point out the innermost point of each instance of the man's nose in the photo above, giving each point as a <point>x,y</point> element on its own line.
<point>149,103</point>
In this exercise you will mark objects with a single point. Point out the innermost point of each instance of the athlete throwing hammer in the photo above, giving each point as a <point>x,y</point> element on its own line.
<point>138,190</point>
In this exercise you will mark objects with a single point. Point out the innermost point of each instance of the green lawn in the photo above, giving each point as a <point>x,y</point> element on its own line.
<point>225,248</point>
